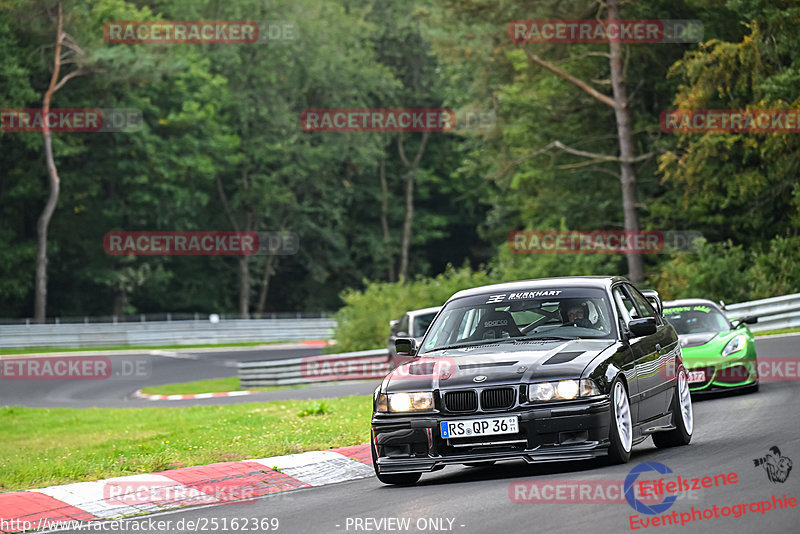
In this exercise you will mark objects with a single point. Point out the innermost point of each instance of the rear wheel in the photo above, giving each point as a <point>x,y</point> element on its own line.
<point>682,416</point>
<point>397,479</point>
<point>620,429</point>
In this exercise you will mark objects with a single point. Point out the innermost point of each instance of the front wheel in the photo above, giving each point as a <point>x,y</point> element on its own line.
<point>682,416</point>
<point>397,479</point>
<point>620,429</point>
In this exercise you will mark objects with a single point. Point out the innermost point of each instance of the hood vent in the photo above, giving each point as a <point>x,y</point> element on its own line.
<point>563,357</point>
<point>480,365</point>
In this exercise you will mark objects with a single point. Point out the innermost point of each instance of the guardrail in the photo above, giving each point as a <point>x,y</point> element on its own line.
<point>164,333</point>
<point>361,365</point>
<point>773,313</point>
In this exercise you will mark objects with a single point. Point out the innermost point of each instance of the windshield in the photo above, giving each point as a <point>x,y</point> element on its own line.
<point>560,314</point>
<point>696,319</point>
<point>422,322</point>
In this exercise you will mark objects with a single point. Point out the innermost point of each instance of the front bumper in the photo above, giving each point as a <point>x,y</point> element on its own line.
<point>563,432</point>
<point>723,374</point>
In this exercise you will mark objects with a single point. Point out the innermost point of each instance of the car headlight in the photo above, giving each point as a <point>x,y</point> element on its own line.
<point>562,390</point>
<point>404,402</point>
<point>735,345</point>
<point>381,403</point>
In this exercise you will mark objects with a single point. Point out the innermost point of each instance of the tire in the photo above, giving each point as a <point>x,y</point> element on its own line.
<point>620,427</point>
<point>682,416</point>
<point>480,464</point>
<point>397,479</point>
<point>400,479</point>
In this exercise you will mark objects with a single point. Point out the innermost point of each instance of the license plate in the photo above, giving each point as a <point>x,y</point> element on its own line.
<point>479,427</point>
<point>697,376</point>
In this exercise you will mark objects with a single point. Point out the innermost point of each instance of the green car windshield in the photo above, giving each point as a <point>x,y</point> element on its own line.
<point>549,314</point>
<point>696,319</point>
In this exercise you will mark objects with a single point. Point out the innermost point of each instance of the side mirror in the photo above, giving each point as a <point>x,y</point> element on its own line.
<point>405,346</point>
<point>643,327</point>
<point>652,297</point>
<point>747,319</point>
<point>393,324</point>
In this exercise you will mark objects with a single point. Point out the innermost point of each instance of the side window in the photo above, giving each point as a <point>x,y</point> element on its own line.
<point>624,305</point>
<point>402,328</point>
<point>642,304</point>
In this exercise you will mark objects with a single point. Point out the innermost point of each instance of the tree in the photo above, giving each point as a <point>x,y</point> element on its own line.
<point>74,54</point>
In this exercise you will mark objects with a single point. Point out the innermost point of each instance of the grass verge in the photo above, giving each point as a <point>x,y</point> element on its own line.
<point>42,447</point>
<point>779,331</point>
<point>213,385</point>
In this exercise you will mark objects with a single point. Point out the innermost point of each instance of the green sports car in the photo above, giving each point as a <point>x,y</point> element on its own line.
<point>718,354</point>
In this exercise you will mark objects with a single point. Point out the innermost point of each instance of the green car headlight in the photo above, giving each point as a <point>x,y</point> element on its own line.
<point>735,345</point>
<point>410,402</point>
<point>562,390</point>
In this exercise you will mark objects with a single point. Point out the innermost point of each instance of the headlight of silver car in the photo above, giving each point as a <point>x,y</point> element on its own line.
<point>420,401</point>
<point>562,390</point>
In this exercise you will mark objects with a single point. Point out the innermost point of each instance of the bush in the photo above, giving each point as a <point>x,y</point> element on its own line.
<point>363,322</point>
<point>724,271</point>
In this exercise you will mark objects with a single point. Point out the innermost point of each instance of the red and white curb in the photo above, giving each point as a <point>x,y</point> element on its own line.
<point>146,396</point>
<point>119,497</point>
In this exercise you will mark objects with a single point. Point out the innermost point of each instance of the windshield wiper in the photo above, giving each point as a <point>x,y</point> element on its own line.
<point>554,338</point>
<point>476,343</point>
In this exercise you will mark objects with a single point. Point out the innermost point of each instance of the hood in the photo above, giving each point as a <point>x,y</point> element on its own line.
<point>694,340</point>
<point>500,363</point>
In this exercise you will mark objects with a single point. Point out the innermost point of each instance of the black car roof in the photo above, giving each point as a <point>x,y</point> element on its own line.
<point>538,283</point>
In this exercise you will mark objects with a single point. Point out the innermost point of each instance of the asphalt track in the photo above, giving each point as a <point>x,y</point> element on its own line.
<point>730,432</point>
<point>150,368</point>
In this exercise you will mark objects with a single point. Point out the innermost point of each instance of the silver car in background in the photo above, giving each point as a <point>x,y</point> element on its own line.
<point>414,324</point>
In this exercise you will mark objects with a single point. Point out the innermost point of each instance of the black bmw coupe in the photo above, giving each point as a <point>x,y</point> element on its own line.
<point>541,370</point>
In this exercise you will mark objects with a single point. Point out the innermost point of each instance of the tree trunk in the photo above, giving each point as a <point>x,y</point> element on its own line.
<point>411,166</point>
<point>622,115</point>
<point>54,182</point>
<point>40,303</point>
<point>244,261</point>
<point>244,287</point>
<point>385,222</point>
<point>407,222</point>
<point>262,295</point>
<point>626,151</point>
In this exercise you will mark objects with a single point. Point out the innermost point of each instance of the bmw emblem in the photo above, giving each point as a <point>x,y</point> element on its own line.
<point>479,378</point>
